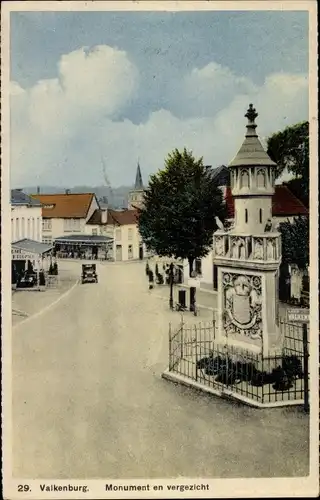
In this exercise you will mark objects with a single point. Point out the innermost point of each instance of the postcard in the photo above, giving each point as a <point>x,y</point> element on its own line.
<point>159,249</point>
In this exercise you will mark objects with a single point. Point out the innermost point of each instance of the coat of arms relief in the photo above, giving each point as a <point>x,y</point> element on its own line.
<point>243,305</point>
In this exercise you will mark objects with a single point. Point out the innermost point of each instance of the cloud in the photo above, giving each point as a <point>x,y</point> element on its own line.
<point>62,126</point>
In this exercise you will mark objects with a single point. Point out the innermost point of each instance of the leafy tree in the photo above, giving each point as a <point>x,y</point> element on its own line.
<point>180,205</point>
<point>290,149</point>
<point>295,242</point>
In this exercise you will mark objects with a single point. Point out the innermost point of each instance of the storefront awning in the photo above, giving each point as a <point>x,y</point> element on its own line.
<point>83,239</point>
<point>28,249</point>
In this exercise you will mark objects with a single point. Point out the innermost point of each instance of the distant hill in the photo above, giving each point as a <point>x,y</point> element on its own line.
<point>117,199</point>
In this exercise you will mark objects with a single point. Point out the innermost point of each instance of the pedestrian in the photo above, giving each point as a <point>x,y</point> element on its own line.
<point>151,279</point>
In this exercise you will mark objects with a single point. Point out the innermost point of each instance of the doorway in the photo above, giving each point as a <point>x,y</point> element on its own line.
<point>141,252</point>
<point>118,252</point>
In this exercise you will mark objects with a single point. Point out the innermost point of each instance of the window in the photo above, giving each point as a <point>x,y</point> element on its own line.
<point>12,230</point>
<point>32,228</point>
<point>260,215</point>
<point>71,225</point>
<point>46,224</point>
<point>246,215</point>
<point>47,240</point>
<point>130,233</point>
<point>244,179</point>
<point>38,229</point>
<point>130,252</point>
<point>261,179</point>
<point>22,228</point>
<point>94,232</point>
<point>17,229</point>
<point>118,234</point>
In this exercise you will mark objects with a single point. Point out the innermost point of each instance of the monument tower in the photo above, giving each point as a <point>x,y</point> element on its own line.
<point>248,255</point>
<point>136,195</point>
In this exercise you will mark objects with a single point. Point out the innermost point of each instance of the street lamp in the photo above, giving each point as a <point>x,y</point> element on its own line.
<point>171,285</point>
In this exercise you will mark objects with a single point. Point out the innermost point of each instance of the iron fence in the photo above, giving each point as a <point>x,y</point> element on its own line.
<point>283,377</point>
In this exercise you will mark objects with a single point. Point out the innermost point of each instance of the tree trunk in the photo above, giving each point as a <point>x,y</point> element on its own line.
<point>190,260</point>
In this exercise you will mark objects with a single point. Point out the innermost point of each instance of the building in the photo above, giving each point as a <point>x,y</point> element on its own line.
<point>26,217</point>
<point>26,252</point>
<point>136,195</point>
<point>248,255</point>
<point>65,214</point>
<point>122,227</point>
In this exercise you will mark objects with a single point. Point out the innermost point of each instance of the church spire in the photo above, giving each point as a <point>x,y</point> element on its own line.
<point>138,184</point>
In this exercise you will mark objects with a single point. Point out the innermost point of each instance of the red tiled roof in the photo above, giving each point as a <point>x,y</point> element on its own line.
<point>73,205</point>
<point>121,217</point>
<point>284,203</point>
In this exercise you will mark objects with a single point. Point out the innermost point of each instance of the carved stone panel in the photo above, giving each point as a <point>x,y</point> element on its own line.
<point>258,248</point>
<point>242,305</point>
<point>219,245</point>
<point>271,249</point>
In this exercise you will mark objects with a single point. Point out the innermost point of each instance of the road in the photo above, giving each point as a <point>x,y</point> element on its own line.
<point>89,400</point>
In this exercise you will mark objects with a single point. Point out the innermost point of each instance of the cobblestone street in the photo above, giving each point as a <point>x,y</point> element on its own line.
<point>89,400</point>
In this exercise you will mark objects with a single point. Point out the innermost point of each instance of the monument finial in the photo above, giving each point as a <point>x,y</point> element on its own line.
<point>251,113</point>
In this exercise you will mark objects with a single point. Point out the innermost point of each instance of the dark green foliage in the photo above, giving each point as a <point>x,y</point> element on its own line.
<point>295,242</point>
<point>227,372</point>
<point>290,149</point>
<point>179,208</point>
<point>147,269</point>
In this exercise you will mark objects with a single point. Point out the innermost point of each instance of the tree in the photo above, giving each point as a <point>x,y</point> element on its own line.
<point>290,149</point>
<point>295,242</point>
<point>180,205</point>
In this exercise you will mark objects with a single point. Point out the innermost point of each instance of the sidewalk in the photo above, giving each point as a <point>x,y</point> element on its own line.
<point>27,303</point>
<point>205,299</point>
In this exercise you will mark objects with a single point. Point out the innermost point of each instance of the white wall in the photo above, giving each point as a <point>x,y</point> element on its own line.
<point>26,222</point>
<point>125,236</point>
<point>94,206</point>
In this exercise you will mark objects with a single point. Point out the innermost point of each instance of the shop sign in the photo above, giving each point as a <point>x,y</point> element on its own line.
<point>19,254</point>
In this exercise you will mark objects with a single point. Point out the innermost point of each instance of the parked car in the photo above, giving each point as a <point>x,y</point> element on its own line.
<point>28,280</point>
<point>89,273</point>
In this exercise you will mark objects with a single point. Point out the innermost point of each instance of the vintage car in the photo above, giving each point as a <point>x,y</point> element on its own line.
<point>89,273</point>
<point>28,280</point>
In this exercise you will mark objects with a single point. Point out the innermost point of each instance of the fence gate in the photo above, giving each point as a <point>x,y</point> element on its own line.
<point>175,346</point>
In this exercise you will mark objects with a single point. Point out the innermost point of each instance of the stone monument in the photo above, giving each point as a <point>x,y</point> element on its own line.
<point>248,256</point>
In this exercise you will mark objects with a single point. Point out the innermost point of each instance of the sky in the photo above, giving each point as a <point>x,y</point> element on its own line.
<point>118,87</point>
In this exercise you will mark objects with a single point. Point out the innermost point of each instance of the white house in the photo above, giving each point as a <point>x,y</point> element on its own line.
<point>65,214</point>
<point>26,217</point>
<point>122,226</point>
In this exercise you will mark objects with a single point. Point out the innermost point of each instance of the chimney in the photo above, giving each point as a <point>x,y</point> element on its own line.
<point>38,189</point>
<point>67,191</point>
<point>104,216</point>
